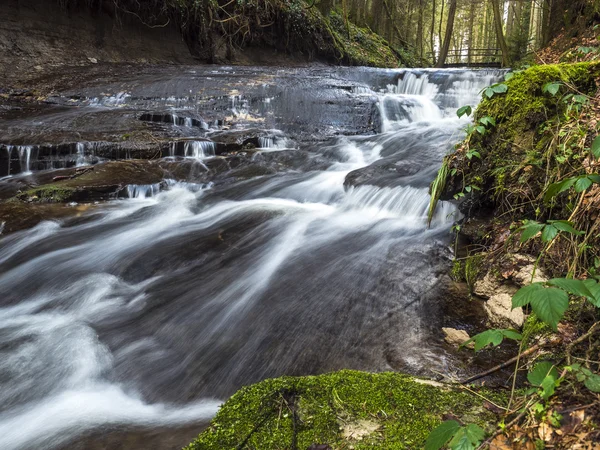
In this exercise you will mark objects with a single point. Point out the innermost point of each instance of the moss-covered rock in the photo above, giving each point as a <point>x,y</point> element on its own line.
<point>342,409</point>
<point>515,164</point>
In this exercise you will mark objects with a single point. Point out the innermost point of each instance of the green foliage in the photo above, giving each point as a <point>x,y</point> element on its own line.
<point>464,111</point>
<point>437,187</point>
<point>549,230</point>
<point>500,88</point>
<point>545,377</point>
<point>596,147</point>
<point>586,376</point>
<point>492,337</point>
<point>457,437</point>
<point>580,183</point>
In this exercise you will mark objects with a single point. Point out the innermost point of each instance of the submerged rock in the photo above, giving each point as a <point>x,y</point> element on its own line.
<point>346,409</point>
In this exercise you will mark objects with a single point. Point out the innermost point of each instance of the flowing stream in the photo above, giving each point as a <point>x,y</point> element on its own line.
<point>148,312</point>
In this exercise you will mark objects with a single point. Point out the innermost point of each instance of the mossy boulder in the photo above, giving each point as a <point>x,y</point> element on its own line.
<point>341,409</point>
<point>514,164</point>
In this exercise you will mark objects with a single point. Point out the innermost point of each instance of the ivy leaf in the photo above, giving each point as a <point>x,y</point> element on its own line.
<point>524,295</point>
<point>529,230</point>
<point>596,147</point>
<point>582,184</point>
<point>540,371</point>
<point>464,111</point>
<point>480,129</point>
<point>549,304</point>
<point>489,92</point>
<point>549,232</point>
<point>575,287</point>
<point>442,434</point>
<point>593,383</point>
<point>551,88</point>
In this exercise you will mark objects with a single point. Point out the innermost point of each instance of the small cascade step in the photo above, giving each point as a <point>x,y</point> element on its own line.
<point>175,119</point>
<point>192,149</point>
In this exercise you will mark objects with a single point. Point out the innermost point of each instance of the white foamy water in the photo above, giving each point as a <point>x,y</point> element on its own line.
<point>153,306</point>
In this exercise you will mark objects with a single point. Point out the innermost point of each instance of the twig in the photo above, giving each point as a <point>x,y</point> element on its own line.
<point>579,340</point>
<point>489,440</point>
<point>527,352</point>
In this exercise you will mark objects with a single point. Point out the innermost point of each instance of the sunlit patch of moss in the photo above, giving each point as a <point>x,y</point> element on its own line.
<point>318,408</point>
<point>48,193</point>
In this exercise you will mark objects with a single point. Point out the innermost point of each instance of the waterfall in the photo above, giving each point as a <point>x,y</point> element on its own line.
<point>199,149</point>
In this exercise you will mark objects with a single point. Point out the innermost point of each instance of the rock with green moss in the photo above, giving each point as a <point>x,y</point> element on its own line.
<point>514,160</point>
<point>346,409</point>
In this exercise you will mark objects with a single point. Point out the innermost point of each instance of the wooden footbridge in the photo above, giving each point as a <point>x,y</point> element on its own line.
<point>474,57</point>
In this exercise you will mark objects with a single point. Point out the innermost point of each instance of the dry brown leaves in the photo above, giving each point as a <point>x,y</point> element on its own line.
<point>577,431</point>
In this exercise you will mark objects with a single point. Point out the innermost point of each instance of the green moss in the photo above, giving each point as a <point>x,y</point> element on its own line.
<point>48,193</point>
<point>401,411</point>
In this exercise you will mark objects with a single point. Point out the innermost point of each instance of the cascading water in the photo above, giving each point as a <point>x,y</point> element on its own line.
<point>140,316</point>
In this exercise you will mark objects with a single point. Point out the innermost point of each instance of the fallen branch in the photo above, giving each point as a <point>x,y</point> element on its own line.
<point>529,351</point>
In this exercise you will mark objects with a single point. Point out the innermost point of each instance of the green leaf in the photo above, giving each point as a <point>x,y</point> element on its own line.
<point>487,120</point>
<point>594,288</point>
<point>552,88</point>
<point>461,442</point>
<point>596,147</point>
<point>530,229</point>
<point>575,287</point>
<point>486,338</point>
<point>556,188</point>
<point>474,433</point>
<point>564,225</point>
<point>480,129</point>
<point>524,295</point>
<point>549,232</point>
<point>489,92</point>
<point>548,386</point>
<point>582,184</point>
<point>508,76</point>
<point>442,434</point>
<point>582,99</point>
<point>593,383</point>
<point>549,304</point>
<point>468,188</point>
<point>512,334</point>
<point>595,178</point>
<point>500,88</point>
<point>540,371</point>
<point>464,111</point>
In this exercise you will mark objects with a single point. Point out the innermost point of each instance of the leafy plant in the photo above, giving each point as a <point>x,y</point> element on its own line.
<point>549,230</point>
<point>580,183</point>
<point>545,377</point>
<point>464,111</point>
<point>492,337</point>
<point>550,300</point>
<point>455,436</point>
<point>586,376</point>
<point>499,88</point>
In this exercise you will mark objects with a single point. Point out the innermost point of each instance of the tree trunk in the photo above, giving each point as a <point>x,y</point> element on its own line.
<point>471,32</point>
<point>432,42</point>
<point>448,36</point>
<point>500,33</point>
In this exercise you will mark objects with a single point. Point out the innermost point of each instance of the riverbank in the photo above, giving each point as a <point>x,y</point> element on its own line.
<point>41,39</point>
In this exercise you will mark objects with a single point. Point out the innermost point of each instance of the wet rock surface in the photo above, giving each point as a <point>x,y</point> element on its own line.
<point>231,253</point>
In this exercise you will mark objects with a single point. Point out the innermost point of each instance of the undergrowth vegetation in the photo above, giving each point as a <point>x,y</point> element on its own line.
<point>530,169</point>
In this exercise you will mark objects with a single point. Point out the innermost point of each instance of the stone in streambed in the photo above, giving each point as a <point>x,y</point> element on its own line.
<point>456,337</point>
